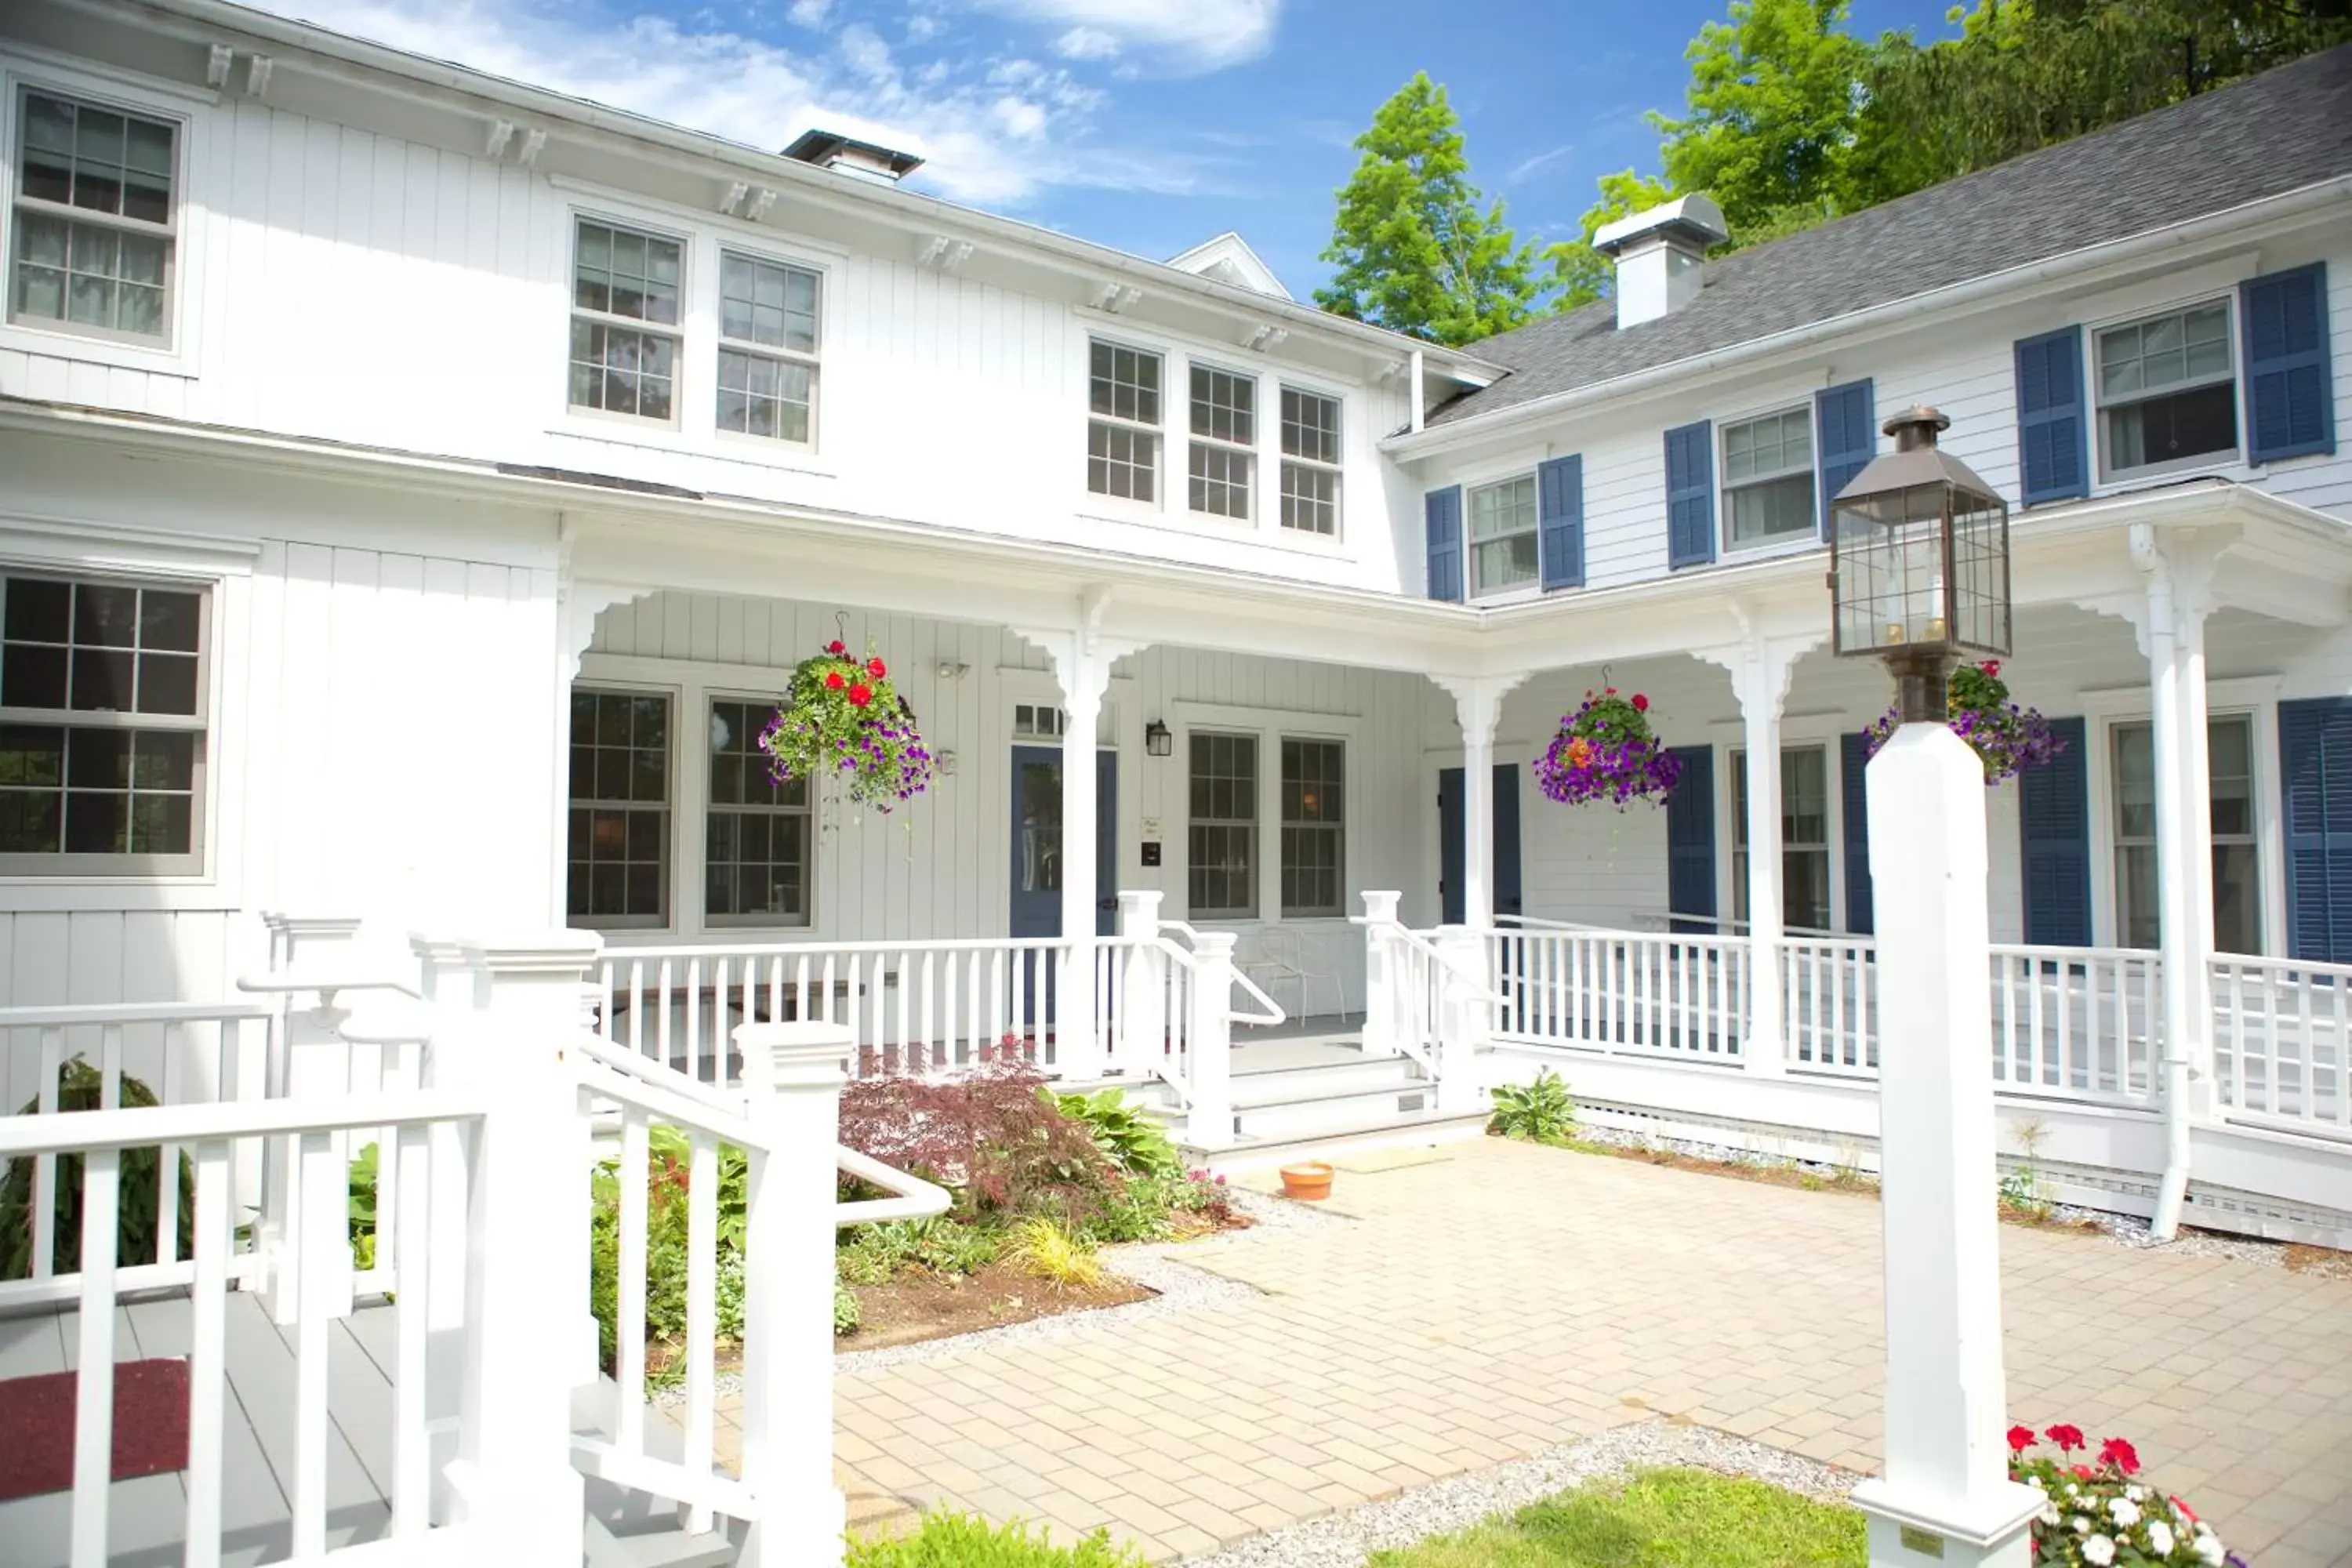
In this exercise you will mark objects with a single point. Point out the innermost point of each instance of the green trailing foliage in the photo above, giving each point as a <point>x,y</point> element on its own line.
<point>80,1088</point>
<point>1542,1112</point>
<point>966,1540</point>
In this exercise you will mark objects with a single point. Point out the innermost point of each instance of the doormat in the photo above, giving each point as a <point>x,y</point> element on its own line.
<point>37,1427</point>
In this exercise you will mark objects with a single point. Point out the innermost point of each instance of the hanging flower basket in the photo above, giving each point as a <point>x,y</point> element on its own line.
<point>1605,750</point>
<point>2009,739</point>
<point>843,725</point>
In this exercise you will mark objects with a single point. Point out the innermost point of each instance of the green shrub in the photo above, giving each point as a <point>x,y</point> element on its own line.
<point>361,1210</point>
<point>966,1540</point>
<point>846,1310</point>
<point>1133,1141</point>
<point>80,1088</point>
<point>1541,1111</point>
<point>667,1222</point>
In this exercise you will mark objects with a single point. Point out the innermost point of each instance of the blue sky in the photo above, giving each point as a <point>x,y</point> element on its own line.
<point>1146,124</point>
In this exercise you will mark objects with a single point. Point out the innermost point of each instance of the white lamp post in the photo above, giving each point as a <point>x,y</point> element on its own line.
<point>1921,577</point>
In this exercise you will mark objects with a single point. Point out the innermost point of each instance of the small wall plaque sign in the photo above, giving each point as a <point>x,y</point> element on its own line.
<point>1926,1543</point>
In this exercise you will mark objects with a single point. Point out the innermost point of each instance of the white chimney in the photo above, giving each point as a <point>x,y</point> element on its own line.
<point>1661,256</point>
<point>866,161</point>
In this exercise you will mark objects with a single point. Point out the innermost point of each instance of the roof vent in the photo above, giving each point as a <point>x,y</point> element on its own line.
<point>1661,256</point>
<point>847,156</point>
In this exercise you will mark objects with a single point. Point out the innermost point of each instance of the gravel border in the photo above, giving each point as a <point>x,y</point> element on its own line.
<point>1345,1540</point>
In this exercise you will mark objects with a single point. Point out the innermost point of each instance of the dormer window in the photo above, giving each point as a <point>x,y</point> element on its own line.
<point>95,243</point>
<point>624,321</point>
<point>1767,478</point>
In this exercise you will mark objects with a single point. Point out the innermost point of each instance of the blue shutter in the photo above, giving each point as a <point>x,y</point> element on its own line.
<point>1690,494</point>
<point>2052,461</point>
<point>1852,753</point>
<point>1690,841</point>
<point>1846,422</point>
<point>1442,513</point>
<point>2290,399</point>
<point>1559,501</point>
<point>2053,811</point>
<point>2316,787</point>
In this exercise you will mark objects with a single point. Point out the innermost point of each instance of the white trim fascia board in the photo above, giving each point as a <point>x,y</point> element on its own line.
<point>120,76</point>
<point>2246,224</point>
<point>378,68</point>
<point>2233,693</point>
<point>113,544</point>
<point>1306,723</point>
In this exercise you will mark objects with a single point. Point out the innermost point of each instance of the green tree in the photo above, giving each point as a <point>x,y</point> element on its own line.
<point>1772,109</point>
<point>1416,251</point>
<point>1582,274</point>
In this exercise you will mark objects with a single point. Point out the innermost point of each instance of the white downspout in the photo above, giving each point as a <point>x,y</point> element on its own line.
<point>2171,831</point>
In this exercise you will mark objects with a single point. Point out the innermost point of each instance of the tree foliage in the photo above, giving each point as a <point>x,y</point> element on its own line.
<point>1415,249</point>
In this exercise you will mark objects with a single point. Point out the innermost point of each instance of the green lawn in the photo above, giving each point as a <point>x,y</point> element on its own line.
<point>1654,1519</point>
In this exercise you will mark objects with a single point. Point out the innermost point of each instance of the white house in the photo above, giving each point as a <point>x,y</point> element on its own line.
<point>417,486</point>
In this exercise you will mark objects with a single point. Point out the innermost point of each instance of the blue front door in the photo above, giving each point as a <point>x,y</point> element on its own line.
<point>1036,909</point>
<point>1451,863</point>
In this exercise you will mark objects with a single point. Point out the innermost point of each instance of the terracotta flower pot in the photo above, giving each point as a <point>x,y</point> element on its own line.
<point>1311,1183</point>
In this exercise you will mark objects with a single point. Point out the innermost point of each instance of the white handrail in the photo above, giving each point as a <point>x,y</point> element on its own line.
<point>1414,939</point>
<point>914,1198</point>
<point>138,1126</point>
<point>658,1075</point>
<point>1274,1013</point>
<point>132,1013</point>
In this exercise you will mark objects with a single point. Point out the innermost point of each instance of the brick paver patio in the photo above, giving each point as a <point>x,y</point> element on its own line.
<point>1503,1298</point>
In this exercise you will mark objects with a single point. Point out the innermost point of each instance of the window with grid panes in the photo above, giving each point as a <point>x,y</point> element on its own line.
<point>1503,547</point>
<point>102,726</point>
<point>95,245</point>
<point>1224,438</point>
<point>1310,462</point>
<point>2236,855</point>
<point>1123,432</point>
<point>757,833</point>
<point>1314,859</point>
<point>624,321</point>
<point>617,871</point>
<point>1804,837</point>
<point>767,347</point>
<point>1221,863</point>
<point>2168,391</point>
<point>1768,477</point>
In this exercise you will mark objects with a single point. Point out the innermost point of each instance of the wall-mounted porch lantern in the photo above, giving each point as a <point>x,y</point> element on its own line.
<point>1919,575</point>
<point>1157,740</point>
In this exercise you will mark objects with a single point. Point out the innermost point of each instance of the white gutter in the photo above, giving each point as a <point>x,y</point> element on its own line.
<point>2231,222</point>
<point>704,154</point>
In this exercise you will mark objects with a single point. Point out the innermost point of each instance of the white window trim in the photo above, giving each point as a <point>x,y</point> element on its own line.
<point>1253,448</point>
<point>813,358</point>
<point>1796,539</point>
<point>679,332</point>
<point>680,775</point>
<point>1471,592</point>
<point>1175,370</point>
<point>1730,893</point>
<point>1338,471</point>
<point>2105,477</point>
<point>1269,725</point>
<point>178,354</point>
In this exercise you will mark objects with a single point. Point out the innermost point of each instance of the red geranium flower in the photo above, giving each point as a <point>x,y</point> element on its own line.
<point>1992,667</point>
<point>860,695</point>
<point>2081,1472</point>
<point>2121,1455</point>
<point>835,647</point>
<point>1640,704</point>
<point>874,668</point>
<point>832,680</point>
<point>2184,1510</point>
<point>2020,1439</point>
<point>1612,691</point>
<point>2067,1437</point>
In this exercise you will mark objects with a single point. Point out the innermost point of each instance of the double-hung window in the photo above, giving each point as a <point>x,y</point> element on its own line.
<point>1310,462</point>
<point>1503,549</point>
<point>1221,865</point>
<point>617,871</point>
<point>767,347</point>
<point>2237,858</point>
<point>102,727</point>
<point>95,246</point>
<point>1313,828</point>
<point>758,832</point>
<point>624,321</point>
<point>1224,440</point>
<point>1804,837</point>
<point>2168,391</point>
<point>1767,478</point>
<point>1123,426</point>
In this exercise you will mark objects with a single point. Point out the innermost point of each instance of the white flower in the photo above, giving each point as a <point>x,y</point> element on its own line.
<point>2082,1525</point>
<point>2209,1550</point>
<point>2049,1515</point>
<point>2160,1538</point>
<point>2124,1511</point>
<point>2098,1551</point>
<point>2136,1492</point>
<point>2035,1483</point>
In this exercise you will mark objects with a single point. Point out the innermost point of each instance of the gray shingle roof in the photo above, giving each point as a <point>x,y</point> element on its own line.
<point>2283,130</point>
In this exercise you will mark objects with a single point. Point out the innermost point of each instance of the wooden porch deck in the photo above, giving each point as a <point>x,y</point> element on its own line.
<point>147,1516</point>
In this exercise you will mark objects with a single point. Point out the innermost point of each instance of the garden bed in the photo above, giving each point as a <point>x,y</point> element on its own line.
<point>919,1305</point>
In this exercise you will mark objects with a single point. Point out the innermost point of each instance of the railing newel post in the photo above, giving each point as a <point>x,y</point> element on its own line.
<point>1210,1120</point>
<point>1383,986</point>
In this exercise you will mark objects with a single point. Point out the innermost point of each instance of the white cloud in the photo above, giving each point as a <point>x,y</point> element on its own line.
<point>808,13</point>
<point>1530,166</point>
<point>982,123</point>
<point>1184,35</point>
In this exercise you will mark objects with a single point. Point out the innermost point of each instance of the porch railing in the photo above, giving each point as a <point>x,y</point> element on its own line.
<point>1661,994</point>
<point>2283,1042</point>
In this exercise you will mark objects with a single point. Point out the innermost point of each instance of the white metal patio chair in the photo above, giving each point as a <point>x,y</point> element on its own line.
<point>1278,954</point>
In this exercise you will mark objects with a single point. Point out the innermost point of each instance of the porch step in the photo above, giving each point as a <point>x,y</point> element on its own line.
<point>1412,1129</point>
<point>648,1537</point>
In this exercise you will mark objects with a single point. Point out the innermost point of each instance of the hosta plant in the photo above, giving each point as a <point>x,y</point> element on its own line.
<point>2100,1514</point>
<point>2006,737</point>
<point>842,725</point>
<point>1542,1111</point>
<point>1605,750</point>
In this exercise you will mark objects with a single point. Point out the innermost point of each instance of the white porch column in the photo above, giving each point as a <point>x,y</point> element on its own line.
<point>1477,705</point>
<point>529,1339</point>
<point>1945,1499</point>
<point>1139,1044</point>
<point>2190,606</point>
<point>793,1075</point>
<point>1761,668</point>
<point>1382,1000</point>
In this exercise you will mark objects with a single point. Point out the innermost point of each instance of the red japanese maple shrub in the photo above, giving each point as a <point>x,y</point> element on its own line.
<point>987,1133</point>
